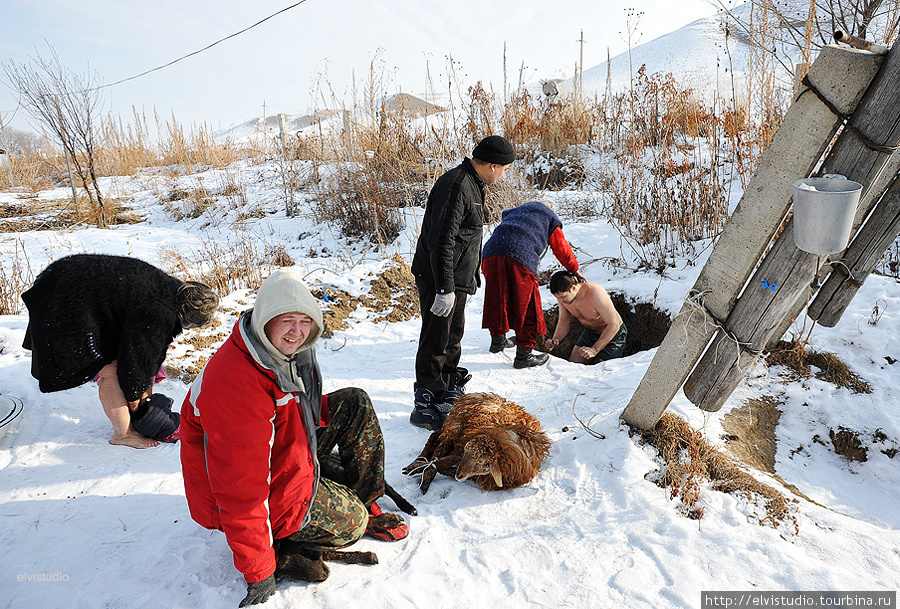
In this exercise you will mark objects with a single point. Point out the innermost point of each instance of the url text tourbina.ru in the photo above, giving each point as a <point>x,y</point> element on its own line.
<point>811,600</point>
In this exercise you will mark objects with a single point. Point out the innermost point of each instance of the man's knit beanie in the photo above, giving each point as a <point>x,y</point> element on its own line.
<point>284,292</point>
<point>494,149</point>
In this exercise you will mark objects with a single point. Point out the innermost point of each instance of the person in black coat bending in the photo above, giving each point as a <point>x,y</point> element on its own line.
<point>445,265</point>
<point>112,317</point>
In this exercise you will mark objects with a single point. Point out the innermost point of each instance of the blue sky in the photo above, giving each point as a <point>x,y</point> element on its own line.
<point>321,45</point>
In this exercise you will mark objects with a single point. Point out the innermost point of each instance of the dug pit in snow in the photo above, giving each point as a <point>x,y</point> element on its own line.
<point>647,326</point>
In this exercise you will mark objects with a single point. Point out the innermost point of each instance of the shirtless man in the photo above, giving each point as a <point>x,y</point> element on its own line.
<point>604,331</point>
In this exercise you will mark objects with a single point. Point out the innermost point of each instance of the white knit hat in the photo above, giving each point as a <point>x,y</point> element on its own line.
<point>284,292</point>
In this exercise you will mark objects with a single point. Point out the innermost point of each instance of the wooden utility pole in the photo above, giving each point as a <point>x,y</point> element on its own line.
<point>265,127</point>
<point>760,316</point>
<point>842,75</point>
<point>7,152</point>
<point>581,68</point>
<point>282,131</point>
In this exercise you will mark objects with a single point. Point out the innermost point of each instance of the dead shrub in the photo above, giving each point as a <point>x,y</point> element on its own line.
<point>14,280</point>
<point>665,191</point>
<point>225,267</point>
<point>361,204</point>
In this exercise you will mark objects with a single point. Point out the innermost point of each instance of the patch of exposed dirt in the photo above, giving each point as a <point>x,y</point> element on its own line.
<point>751,432</point>
<point>690,460</point>
<point>393,293</point>
<point>799,360</point>
<point>200,341</point>
<point>338,306</point>
<point>189,372</point>
<point>647,327</point>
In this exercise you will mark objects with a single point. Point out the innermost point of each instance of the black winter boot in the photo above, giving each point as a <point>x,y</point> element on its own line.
<point>455,384</point>
<point>499,343</point>
<point>526,359</point>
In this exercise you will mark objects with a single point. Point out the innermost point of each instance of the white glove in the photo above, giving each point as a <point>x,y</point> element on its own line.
<point>443,304</point>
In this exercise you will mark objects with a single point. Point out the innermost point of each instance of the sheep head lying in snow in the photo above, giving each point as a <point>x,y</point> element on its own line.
<point>487,438</point>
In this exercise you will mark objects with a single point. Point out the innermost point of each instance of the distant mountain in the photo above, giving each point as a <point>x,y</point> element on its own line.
<point>700,55</point>
<point>270,127</point>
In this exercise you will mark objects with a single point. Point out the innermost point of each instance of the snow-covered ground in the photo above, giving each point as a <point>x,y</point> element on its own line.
<point>87,524</point>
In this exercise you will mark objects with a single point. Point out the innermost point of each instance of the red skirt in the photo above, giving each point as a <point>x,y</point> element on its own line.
<point>510,290</point>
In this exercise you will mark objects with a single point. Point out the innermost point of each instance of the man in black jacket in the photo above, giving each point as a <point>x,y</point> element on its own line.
<point>448,255</point>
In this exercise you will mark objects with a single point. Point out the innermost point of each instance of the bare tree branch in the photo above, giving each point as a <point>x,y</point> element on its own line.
<point>66,103</point>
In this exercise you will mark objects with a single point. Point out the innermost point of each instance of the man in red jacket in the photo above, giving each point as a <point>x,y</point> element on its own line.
<point>254,427</point>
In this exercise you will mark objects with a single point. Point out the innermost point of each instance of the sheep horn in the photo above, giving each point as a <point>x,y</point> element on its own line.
<point>496,474</point>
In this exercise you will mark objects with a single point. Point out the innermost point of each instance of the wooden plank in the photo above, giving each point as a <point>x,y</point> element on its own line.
<point>841,74</point>
<point>756,315</point>
<point>867,249</point>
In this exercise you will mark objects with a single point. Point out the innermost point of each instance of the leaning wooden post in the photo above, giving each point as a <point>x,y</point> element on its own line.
<point>760,313</point>
<point>798,145</point>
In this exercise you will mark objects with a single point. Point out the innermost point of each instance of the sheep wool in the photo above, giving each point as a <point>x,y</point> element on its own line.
<point>487,438</point>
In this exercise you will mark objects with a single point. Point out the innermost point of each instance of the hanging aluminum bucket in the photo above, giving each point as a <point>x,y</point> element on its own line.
<point>823,213</point>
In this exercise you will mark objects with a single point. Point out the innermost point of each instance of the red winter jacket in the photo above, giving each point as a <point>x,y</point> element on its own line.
<point>248,450</point>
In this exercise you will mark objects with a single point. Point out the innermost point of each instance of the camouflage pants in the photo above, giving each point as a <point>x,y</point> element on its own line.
<point>339,511</point>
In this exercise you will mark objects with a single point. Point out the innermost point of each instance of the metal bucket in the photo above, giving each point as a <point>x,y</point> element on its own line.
<point>823,213</point>
<point>10,408</point>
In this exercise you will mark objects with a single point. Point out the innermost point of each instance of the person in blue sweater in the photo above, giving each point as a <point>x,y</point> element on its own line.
<point>510,261</point>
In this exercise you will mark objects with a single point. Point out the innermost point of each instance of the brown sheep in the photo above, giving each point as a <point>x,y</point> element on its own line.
<point>487,438</point>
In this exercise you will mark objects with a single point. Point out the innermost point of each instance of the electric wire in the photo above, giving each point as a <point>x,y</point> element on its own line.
<point>207,47</point>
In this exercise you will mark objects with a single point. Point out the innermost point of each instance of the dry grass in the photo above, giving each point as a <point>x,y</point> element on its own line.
<point>665,158</point>
<point>15,280</point>
<point>690,462</point>
<point>60,214</point>
<point>795,356</point>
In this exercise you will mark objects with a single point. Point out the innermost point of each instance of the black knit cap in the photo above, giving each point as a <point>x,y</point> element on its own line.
<point>495,149</point>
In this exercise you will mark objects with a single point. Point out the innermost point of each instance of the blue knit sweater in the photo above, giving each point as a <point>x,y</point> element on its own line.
<point>523,234</point>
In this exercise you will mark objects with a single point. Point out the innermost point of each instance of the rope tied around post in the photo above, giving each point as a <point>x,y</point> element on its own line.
<point>694,300</point>
<point>843,269</point>
<point>845,120</point>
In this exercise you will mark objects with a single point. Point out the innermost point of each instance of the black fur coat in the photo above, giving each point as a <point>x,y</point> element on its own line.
<point>88,310</point>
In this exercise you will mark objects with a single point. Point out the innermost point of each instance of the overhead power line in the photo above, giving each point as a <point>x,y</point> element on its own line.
<point>207,47</point>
